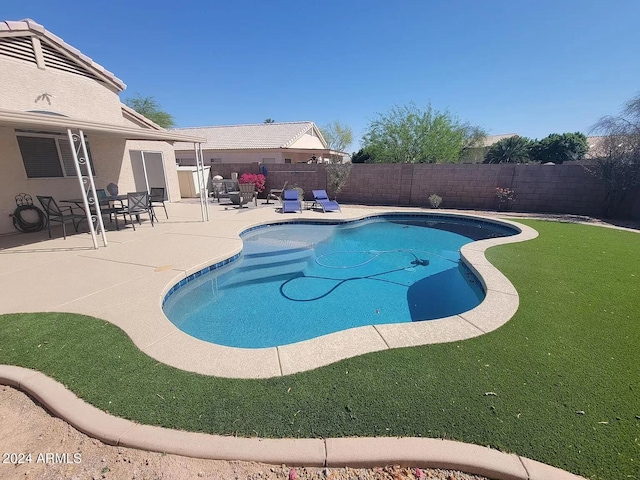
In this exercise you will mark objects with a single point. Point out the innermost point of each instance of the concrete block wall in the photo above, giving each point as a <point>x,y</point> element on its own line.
<point>566,188</point>
<point>306,176</point>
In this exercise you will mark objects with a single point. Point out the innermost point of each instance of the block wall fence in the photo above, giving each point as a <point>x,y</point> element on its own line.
<point>565,188</point>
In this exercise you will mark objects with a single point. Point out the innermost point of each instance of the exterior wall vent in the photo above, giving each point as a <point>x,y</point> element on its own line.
<point>20,48</point>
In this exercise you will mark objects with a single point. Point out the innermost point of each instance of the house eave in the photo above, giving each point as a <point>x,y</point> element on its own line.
<point>30,120</point>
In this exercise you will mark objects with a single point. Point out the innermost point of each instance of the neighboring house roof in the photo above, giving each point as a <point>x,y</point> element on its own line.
<point>29,41</point>
<point>595,146</point>
<point>491,139</point>
<point>257,136</point>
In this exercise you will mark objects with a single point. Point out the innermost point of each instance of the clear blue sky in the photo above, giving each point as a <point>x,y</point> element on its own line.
<point>510,66</point>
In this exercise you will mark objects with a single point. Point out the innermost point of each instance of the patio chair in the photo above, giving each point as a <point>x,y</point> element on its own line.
<point>276,193</point>
<point>106,208</point>
<point>137,204</point>
<point>290,201</point>
<point>246,192</point>
<point>223,188</point>
<point>156,196</point>
<point>321,199</point>
<point>62,215</point>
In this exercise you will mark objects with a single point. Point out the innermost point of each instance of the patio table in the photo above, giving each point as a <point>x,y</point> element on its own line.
<point>79,202</point>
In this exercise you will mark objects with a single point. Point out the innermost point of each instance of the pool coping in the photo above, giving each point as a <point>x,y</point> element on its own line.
<point>183,351</point>
<point>311,452</point>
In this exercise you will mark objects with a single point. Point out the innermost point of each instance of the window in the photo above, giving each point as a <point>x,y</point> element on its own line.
<point>287,160</point>
<point>49,155</point>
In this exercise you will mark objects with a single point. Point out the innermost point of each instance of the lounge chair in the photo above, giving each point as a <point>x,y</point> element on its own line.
<point>276,193</point>
<point>321,200</point>
<point>290,201</point>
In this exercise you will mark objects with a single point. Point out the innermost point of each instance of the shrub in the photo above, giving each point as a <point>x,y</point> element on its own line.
<point>435,200</point>
<point>337,175</point>
<point>300,191</point>
<point>257,179</point>
<point>505,194</point>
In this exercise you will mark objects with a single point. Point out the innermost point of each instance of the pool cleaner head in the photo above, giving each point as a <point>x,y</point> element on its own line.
<point>420,261</point>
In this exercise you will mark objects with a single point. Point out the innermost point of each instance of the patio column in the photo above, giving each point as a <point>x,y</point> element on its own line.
<point>204,209</point>
<point>81,157</point>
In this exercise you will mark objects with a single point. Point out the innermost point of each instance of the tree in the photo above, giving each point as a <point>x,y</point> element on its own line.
<point>409,135</point>
<point>361,156</point>
<point>617,156</point>
<point>337,175</point>
<point>337,136</point>
<point>558,148</point>
<point>150,108</point>
<point>269,120</point>
<point>509,150</point>
<point>474,149</point>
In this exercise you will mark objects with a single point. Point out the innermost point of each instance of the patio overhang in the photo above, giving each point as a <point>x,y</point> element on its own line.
<point>33,120</point>
<point>76,129</point>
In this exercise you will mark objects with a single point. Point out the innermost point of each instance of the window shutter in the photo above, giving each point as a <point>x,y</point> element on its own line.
<point>67,159</point>
<point>40,157</point>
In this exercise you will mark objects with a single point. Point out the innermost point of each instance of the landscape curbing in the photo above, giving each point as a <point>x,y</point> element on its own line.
<point>331,452</point>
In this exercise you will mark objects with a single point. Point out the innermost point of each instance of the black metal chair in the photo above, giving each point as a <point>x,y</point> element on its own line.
<point>156,196</point>
<point>106,206</point>
<point>62,215</point>
<point>137,204</point>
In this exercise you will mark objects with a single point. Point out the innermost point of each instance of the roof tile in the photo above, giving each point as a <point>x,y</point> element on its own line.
<point>29,25</point>
<point>252,136</point>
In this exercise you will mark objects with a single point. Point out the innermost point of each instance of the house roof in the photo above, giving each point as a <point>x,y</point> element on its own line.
<point>491,139</point>
<point>50,51</point>
<point>37,120</point>
<point>252,136</point>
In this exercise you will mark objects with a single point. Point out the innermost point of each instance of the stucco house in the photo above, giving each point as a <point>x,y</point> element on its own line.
<point>265,143</point>
<point>51,90</point>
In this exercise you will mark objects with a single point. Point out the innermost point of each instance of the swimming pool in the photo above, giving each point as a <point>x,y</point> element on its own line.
<point>293,282</point>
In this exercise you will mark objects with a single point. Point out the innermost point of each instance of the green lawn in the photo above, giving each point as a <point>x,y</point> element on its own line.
<point>573,346</point>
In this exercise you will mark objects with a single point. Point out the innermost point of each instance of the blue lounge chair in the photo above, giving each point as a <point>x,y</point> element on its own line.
<point>321,199</point>
<point>290,201</point>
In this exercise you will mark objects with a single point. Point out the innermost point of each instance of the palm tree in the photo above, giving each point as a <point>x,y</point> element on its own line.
<point>509,150</point>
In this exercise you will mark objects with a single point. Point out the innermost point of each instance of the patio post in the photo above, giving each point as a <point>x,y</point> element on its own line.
<point>204,210</point>
<point>144,169</point>
<point>81,157</point>
<point>204,192</point>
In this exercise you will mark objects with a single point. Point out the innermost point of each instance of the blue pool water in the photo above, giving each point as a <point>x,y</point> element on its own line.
<point>294,282</point>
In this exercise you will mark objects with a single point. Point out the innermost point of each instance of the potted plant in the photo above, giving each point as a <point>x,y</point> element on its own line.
<point>435,200</point>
